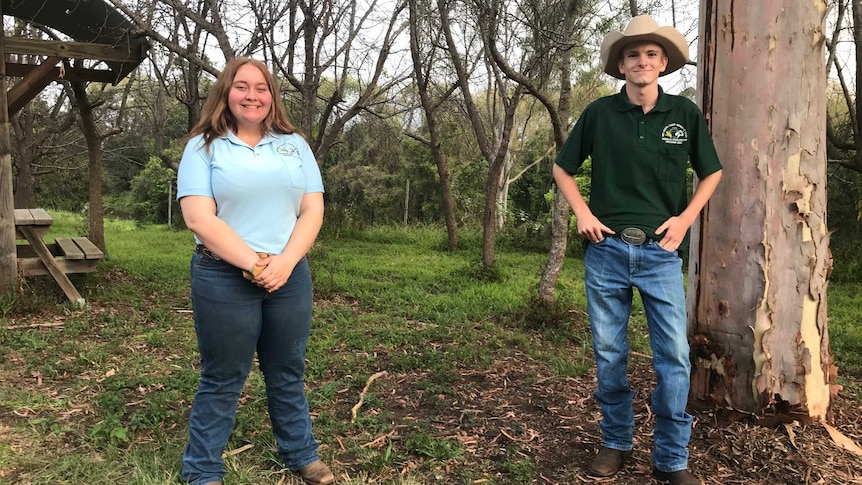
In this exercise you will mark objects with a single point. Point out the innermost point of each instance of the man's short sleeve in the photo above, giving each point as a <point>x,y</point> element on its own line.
<point>704,158</point>
<point>577,147</point>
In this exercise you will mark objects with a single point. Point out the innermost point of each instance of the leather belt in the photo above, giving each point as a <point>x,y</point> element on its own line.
<point>633,236</point>
<point>201,249</point>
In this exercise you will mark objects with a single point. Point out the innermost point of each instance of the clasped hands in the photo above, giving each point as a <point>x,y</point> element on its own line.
<point>255,271</point>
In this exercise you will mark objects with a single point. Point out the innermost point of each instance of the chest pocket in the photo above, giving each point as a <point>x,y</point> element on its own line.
<point>674,160</point>
<point>291,161</point>
<point>294,172</point>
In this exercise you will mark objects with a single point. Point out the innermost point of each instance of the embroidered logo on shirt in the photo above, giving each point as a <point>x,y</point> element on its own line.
<point>288,150</point>
<point>674,134</point>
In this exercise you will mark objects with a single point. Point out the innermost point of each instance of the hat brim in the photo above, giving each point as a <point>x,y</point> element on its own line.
<point>673,42</point>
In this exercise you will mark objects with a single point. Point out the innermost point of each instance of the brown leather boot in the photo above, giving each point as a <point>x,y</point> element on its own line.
<point>680,477</point>
<point>608,462</point>
<point>317,473</point>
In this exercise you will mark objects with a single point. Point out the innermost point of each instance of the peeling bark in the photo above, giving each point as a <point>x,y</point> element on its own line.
<point>760,257</point>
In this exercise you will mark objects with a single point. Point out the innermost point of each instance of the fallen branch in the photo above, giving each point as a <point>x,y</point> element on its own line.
<point>379,440</point>
<point>237,451</point>
<point>36,325</point>
<point>358,405</point>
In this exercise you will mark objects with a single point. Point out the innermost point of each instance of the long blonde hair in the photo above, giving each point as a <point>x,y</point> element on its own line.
<point>216,118</point>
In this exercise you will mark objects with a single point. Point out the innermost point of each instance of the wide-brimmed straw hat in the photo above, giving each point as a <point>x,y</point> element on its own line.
<point>644,28</point>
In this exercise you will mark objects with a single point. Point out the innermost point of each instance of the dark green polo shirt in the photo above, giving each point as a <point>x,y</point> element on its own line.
<point>639,160</point>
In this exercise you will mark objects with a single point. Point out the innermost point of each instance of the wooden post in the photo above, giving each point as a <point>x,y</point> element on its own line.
<point>8,251</point>
<point>406,201</point>
<point>170,202</point>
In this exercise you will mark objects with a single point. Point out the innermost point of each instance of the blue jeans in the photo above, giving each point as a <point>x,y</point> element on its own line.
<point>613,269</point>
<point>233,319</point>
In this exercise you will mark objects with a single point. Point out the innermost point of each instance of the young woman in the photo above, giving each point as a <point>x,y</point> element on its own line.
<point>251,192</point>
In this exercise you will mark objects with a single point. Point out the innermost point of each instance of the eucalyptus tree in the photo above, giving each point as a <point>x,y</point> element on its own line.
<point>760,256</point>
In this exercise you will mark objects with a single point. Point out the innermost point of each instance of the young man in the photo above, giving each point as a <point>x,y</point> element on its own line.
<point>636,225</point>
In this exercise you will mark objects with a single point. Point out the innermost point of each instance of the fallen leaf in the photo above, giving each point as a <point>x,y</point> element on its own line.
<point>791,434</point>
<point>842,441</point>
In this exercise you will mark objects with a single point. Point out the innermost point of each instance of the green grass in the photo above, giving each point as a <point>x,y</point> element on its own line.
<point>845,335</point>
<point>107,388</point>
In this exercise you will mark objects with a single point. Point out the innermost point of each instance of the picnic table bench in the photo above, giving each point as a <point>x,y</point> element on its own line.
<point>65,256</point>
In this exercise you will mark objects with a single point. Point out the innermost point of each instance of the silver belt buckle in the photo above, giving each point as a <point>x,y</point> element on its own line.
<point>633,236</point>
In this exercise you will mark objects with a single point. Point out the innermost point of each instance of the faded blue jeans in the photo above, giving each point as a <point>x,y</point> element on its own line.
<point>612,270</point>
<point>235,318</point>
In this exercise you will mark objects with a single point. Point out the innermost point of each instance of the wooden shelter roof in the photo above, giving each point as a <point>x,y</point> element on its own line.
<point>98,32</point>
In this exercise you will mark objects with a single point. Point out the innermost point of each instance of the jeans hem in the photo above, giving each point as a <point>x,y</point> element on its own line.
<point>617,447</point>
<point>672,468</point>
<point>305,463</point>
<point>203,481</point>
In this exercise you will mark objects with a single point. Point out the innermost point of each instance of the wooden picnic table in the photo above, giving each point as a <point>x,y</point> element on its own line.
<point>66,255</point>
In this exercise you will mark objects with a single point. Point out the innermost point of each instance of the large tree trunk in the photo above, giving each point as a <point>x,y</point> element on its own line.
<point>422,66</point>
<point>760,257</point>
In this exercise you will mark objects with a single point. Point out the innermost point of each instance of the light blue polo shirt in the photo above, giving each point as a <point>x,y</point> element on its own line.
<point>257,190</point>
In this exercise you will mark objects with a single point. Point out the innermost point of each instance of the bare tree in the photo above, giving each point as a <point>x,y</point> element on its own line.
<point>344,70</point>
<point>493,130</point>
<point>94,138</point>
<point>34,139</point>
<point>843,126</point>
<point>333,56</point>
<point>551,30</point>
<point>423,32</point>
<point>760,255</point>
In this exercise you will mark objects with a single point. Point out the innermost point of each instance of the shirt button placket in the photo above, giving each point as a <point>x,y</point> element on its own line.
<point>641,131</point>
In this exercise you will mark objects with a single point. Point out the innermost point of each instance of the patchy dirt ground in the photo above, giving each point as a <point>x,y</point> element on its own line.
<point>514,410</point>
<point>555,421</point>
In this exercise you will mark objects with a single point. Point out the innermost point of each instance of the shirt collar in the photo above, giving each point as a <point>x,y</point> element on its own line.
<point>623,103</point>
<point>231,136</point>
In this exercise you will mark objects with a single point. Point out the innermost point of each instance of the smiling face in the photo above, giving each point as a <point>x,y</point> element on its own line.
<point>642,62</point>
<point>250,98</point>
